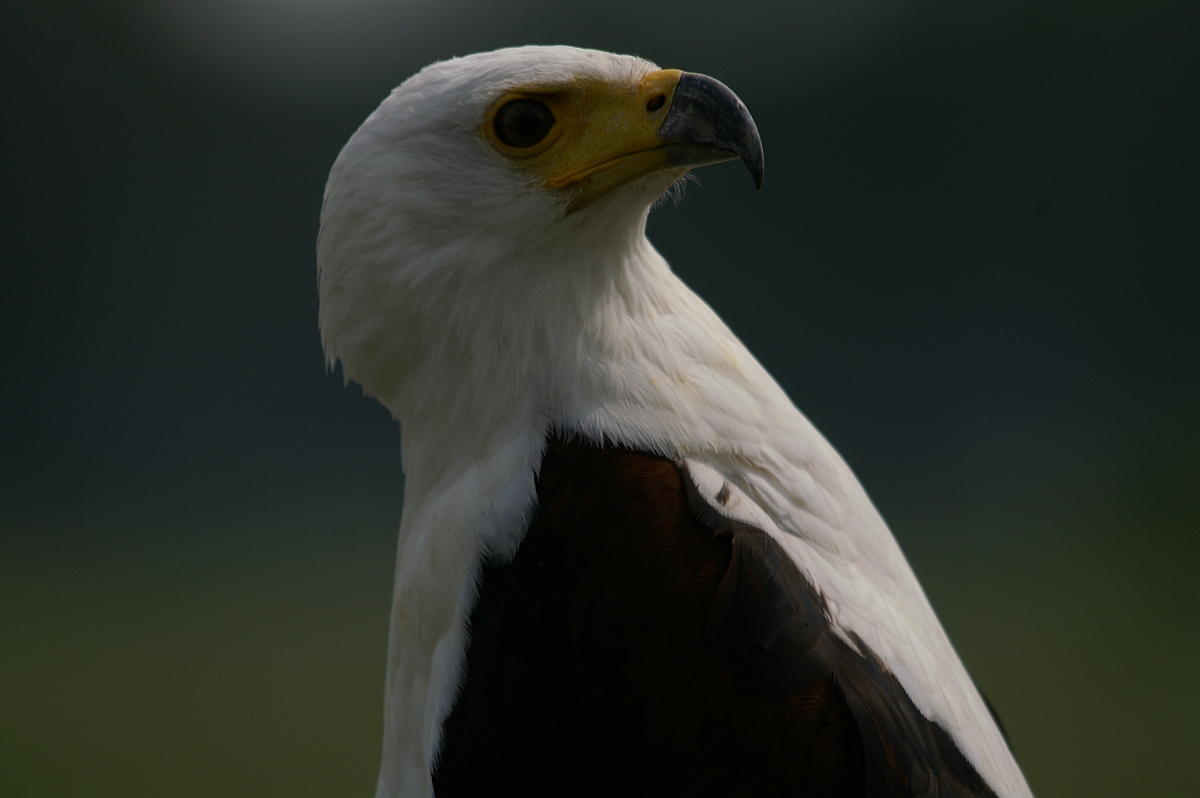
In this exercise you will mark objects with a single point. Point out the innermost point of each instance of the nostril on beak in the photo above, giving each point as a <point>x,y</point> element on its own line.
<point>656,102</point>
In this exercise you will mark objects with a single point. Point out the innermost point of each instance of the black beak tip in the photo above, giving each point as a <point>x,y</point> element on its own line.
<point>751,150</point>
<point>705,113</point>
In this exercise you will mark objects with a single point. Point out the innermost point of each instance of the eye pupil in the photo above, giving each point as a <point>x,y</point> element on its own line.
<point>523,123</point>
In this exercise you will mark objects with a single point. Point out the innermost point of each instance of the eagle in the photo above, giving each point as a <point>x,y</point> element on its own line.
<point>627,563</point>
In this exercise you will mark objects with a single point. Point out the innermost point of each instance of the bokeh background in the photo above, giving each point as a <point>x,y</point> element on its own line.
<point>975,264</point>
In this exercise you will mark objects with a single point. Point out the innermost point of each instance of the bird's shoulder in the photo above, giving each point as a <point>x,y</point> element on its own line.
<point>640,636</point>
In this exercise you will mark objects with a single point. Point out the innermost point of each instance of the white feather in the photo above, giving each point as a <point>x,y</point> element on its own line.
<point>463,298</point>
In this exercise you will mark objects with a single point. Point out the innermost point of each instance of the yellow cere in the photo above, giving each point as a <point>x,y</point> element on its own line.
<point>604,136</point>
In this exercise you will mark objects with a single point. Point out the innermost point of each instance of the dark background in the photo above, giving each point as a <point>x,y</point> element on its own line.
<point>974,264</point>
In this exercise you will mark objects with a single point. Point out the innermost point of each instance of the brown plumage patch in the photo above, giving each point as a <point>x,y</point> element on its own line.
<point>632,649</point>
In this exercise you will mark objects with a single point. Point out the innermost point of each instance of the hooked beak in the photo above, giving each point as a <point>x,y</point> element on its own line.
<point>708,124</point>
<point>607,136</point>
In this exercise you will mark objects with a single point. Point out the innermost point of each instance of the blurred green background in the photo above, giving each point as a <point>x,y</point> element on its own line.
<point>975,264</point>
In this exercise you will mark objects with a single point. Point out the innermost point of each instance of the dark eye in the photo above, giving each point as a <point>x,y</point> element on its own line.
<point>523,123</point>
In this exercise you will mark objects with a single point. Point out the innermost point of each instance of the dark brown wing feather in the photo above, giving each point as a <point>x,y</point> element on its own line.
<point>640,644</point>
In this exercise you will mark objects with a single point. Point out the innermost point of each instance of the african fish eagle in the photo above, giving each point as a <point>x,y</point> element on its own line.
<point>627,564</point>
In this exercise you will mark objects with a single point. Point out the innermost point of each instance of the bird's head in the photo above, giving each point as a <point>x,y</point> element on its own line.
<point>494,174</point>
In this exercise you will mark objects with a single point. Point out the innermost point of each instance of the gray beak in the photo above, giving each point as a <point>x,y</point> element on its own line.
<point>707,124</point>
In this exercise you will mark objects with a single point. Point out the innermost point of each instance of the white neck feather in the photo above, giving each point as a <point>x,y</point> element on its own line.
<point>593,334</point>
